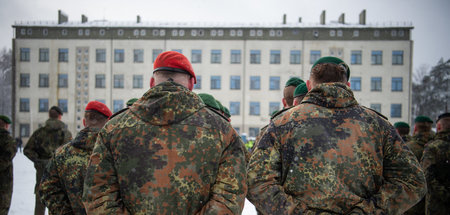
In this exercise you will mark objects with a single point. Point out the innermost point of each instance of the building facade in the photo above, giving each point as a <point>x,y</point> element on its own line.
<point>244,66</point>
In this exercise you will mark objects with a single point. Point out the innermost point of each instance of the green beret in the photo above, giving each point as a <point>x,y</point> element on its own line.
<point>226,112</point>
<point>423,119</point>
<point>5,119</point>
<point>131,101</point>
<point>444,115</point>
<point>300,90</point>
<point>209,100</point>
<point>294,81</point>
<point>333,60</point>
<point>274,112</point>
<point>401,125</point>
<point>57,109</point>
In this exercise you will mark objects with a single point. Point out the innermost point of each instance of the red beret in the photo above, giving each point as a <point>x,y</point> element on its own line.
<point>100,107</point>
<point>175,62</point>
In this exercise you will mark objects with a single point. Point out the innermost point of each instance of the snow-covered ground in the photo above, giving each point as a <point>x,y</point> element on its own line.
<point>24,180</point>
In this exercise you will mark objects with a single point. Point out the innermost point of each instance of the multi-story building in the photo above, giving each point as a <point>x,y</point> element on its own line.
<point>244,66</point>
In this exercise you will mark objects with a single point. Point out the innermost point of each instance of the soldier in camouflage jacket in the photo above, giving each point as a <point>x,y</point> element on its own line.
<point>421,136</point>
<point>330,155</point>
<point>61,187</point>
<point>8,150</point>
<point>436,164</point>
<point>42,145</point>
<point>167,154</point>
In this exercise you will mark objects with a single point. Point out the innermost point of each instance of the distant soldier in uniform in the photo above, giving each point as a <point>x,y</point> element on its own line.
<point>62,183</point>
<point>167,154</point>
<point>42,145</point>
<point>288,92</point>
<point>7,152</point>
<point>300,93</point>
<point>403,130</point>
<point>421,136</point>
<point>436,164</point>
<point>329,155</point>
<point>287,100</point>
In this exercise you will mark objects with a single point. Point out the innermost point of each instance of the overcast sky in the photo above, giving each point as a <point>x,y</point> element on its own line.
<point>430,18</point>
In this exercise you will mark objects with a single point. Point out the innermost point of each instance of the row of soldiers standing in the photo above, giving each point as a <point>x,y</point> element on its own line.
<point>170,154</point>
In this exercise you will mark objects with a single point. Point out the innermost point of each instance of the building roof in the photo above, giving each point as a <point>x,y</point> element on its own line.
<point>163,24</point>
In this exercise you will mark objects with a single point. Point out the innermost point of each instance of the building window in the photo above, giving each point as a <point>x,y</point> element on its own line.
<point>255,57</point>
<point>356,57</point>
<point>138,81</point>
<point>43,80</point>
<point>24,105</point>
<point>216,56</point>
<point>255,82</point>
<point>178,50</point>
<point>375,84</point>
<point>63,55</point>
<point>118,81</point>
<point>198,85</point>
<point>235,108</point>
<point>117,105</point>
<point>62,103</point>
<point>155,53</point>
<point>275,56</point>
<point>43,105</point>
<point>355,83</point>
<point>315,55</point>
<point>273,106</point>
<point>196,56</point>
<point>235,56</point>
<point>376,107</point>
<point>253,132</point>
<point>295,57</point>
<point>215,82</point>
<point>24,130</point>
<point>100,81</point>
<point>25,54</point>
<point>119,55</point>
<point>63,80</point>
<point>100,55</point>
<point>25,80</point>
<point>397,57</point>
<point>397,84</point>
<point>254,108</point>
<point>138,55</point>
<point>396,110</point>
<point>43,55</point>
<point>235,82</point>
<point>377,57</point>
<point>274,83</point>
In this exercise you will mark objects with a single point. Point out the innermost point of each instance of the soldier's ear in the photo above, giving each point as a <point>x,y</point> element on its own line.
<point>191,83</point>
<point>438,127</point>
<point>348,84</point>
<point>284,102</point>
<point>152,82</point>
<point>308,85</point>
<point>84,122</point>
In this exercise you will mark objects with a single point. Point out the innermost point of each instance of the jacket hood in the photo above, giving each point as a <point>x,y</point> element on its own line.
<point>86,138</point>
<point>167,103</point>
<point>331,95</point>
<point>54,124</point>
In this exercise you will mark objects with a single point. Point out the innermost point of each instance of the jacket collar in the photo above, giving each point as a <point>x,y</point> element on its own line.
<point>331,95</point>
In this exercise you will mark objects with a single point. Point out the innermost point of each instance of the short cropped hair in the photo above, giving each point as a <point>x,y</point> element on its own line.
<point>327,73</point>
<point>95,119</point>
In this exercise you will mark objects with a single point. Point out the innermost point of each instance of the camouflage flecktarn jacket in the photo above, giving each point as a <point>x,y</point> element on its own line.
<point>436,164</point>
<point>330,155</point>
<point>8,150</point>
<point>62,183</point>
<point>417,142</point>
<point>45,140</point>
<point>167,154</point>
